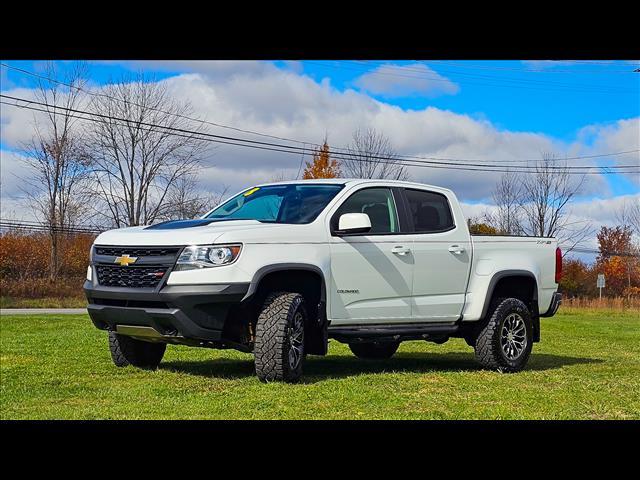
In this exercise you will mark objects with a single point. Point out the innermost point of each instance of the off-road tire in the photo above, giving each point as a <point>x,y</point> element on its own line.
<point>374,350</point>
<point>129,351</point>
<point>274,332</point>
<point>488,348</point>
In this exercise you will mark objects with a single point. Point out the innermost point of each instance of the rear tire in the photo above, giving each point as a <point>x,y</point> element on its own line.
<point>505,343</point>
<point>129,351</point>
<point>279,344</point>
<point>374,350</point>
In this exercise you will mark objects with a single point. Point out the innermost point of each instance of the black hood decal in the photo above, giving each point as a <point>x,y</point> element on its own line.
<point>175,224</point>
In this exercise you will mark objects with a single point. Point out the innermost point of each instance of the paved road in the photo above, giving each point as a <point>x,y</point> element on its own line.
<point>41,311</point>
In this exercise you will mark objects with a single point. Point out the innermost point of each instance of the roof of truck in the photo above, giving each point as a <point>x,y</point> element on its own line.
<point>344,181</point>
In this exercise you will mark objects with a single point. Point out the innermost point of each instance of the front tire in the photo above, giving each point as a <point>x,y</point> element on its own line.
<point>279,344</point>
<point>505,343</point>
<point>129,351</point>
<point>374,350</point>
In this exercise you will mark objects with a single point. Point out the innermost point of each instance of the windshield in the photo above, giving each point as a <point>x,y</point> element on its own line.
<point>278,203</point>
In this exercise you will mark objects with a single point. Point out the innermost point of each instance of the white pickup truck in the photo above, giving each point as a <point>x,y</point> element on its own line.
<point>280,268</point>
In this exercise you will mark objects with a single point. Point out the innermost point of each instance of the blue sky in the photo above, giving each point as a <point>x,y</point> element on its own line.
<point>527,96</point>
<point>488,110</point>
<point>557,99</point>
<point>517,99</point>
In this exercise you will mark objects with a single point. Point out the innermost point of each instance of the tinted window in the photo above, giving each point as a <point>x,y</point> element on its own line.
<point>278,203</point>
<point>430,211</point>
<point>378,204</point>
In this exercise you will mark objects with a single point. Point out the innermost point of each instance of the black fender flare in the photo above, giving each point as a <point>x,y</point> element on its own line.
<point>279,267</point>
<point>505,274</point>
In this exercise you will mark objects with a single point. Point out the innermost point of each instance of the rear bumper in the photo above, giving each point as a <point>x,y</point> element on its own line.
<point>193,312</point>
<point>556,300</point>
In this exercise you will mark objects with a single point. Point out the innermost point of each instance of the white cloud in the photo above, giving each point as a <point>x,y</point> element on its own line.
<point>258,96</point>
<point>391,80</point>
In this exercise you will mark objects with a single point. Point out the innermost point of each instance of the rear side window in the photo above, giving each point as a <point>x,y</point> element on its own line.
<point>378,204</point>
<point>429,211</point>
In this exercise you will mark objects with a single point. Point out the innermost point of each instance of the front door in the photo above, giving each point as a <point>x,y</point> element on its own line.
<point>372,272</point>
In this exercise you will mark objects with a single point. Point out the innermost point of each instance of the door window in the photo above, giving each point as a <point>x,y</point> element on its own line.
<point>429,211</point>
<point>378,204</point>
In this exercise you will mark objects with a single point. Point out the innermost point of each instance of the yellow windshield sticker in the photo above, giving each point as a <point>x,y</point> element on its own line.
<point>252,191</point>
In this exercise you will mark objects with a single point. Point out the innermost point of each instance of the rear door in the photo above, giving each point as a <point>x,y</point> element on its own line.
<point>442,254</point>
<point>371,273</point>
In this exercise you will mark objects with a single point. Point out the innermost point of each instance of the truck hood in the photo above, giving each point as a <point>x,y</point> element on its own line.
<point>179,232</point>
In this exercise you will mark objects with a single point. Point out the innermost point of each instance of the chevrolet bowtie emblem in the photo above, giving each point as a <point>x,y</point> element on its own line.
<point>125,260</point>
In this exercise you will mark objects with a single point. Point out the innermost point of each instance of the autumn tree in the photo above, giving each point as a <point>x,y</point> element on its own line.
<point>617,259</point>
<point>577,278</point>
<point>322,165</point>
<point>614,240</point>
<point>478,227</point>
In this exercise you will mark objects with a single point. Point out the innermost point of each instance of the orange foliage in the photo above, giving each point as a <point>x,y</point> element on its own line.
<point>322,165</point>
<point>482,229</point>
<point>24,265</point>
<point>621,273</point>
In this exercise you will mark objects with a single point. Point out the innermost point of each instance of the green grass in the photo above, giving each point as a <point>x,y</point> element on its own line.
<point>47,302</point>
<point>586,367</point>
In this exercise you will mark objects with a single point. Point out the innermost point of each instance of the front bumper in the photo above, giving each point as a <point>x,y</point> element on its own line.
<point>177,313</point>
<point>556,300</point>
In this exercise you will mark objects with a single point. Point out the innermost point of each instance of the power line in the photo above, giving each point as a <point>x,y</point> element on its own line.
<point>185,117</point>
<point>297,150</point>
<point>607,254</point>
<point>501,79</point>
<point>345,151</point>
<point>413,68</point>
<point>532,83</point>
<point>289,149</point>
<point>19,225</point>
<point>471,66</point>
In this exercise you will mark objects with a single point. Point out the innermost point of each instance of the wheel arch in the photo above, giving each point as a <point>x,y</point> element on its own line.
<point>520,284</point>
<point>267,270</point>
<point>294,277</point>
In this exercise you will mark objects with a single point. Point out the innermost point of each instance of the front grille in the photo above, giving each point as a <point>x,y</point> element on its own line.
<point>137,251</point>
<point>130,276</point>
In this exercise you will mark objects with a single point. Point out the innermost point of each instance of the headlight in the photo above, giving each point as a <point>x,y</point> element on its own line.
<point>196,256</point>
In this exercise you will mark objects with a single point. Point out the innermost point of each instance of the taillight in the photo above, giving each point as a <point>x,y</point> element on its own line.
<point>558,265</point>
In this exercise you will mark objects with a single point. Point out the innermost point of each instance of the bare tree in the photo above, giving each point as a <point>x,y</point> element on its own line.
<point>138,160</point>
<point>185,201</point>
<point>281,176</point>
<point>507,194</point>
<point>371,155</point>
<point>546,195</point>
<point>59,167</point>
<point>629,214</point>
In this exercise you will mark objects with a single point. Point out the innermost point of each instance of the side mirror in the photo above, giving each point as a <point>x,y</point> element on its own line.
<point>354,223</point>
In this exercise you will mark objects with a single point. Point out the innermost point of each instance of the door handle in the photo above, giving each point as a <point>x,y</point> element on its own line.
<point>400,250</point>
<point>457,249</point>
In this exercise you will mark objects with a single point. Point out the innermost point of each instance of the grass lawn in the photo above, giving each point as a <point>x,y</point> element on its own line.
<point>586,367</point>
<point>47,302</point>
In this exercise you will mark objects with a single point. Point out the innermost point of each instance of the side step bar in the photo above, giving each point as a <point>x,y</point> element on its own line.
<point>392,333</point>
